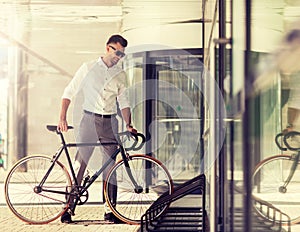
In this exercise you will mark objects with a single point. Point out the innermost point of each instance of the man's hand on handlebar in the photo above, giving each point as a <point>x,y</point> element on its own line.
<point>287,130</point>
<point>131,129</point>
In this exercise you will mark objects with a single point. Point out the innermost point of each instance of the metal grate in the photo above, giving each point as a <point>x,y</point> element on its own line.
<point>177,218</point>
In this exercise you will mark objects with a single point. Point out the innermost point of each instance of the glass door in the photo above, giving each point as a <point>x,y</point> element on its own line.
<point>177,110</point>
<point>165,89</point>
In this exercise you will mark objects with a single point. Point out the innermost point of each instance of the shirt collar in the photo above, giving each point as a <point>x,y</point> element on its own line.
<point>100,62</point>
<point>114,70</point>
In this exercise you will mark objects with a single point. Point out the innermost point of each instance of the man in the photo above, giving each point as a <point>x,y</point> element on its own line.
<point>103,84</point>
<point>293,110</point>
<point>287,60</point>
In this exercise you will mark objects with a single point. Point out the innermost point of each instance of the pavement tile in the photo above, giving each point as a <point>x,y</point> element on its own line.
<point>86,222</point>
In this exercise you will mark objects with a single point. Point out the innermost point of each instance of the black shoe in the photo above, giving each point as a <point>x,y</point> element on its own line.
<point>66,218</point>
<point>110,217</point>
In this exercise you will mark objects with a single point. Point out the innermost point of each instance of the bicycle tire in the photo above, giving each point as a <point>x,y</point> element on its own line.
<point>268,178</point>
<point>31,207</point>
<point>130,206</point>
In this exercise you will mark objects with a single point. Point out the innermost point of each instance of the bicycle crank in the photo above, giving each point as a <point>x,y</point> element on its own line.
<point>81,194</point>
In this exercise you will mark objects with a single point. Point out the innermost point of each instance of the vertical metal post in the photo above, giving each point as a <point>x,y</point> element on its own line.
<point>151,91</point>
<point>202,109</point>
<point>150,95</point>
<point>247,161</point>
<point>231,138</point>
<point>221,76</point>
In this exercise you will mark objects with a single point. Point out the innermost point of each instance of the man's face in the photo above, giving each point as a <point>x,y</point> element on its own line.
<point>115,52</point>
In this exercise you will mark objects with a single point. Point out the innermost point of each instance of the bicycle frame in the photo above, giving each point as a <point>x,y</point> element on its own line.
<point>87,182</point>
<point>50,189</point>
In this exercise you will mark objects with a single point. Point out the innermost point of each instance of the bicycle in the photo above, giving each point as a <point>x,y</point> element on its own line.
<point>38,188</point>
<point>276,180</point>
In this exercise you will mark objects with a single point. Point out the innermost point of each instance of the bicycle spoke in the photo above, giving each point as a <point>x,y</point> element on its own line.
<point>268,180</point>
<point>131,205</point>
<point>25,203</point>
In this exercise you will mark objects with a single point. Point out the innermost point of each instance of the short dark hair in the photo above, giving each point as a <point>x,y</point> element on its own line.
<point>117,39</point>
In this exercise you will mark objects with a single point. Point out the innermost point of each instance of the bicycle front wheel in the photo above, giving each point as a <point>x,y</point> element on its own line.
<point>28,200</point>
<point>129,203</point>
<point>270,184</point>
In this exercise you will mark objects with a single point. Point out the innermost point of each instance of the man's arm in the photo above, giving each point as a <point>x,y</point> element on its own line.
<point>292,116</point>
<point>126,114</point>
<point>63,124</point>
<point>69,92</point>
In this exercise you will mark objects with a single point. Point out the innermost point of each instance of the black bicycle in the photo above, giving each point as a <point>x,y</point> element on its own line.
<point>38,188</point>
<point>276,180</point>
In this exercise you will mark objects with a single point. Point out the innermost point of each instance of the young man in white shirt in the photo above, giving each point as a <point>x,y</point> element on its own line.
<point>102,83</point>
<point>287,61</point>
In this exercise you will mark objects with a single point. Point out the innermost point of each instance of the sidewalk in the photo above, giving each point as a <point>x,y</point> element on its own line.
<point>88,218</point>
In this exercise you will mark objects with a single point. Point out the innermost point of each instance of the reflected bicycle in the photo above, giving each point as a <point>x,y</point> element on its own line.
<point>38,188</point>
<point>276,180</point>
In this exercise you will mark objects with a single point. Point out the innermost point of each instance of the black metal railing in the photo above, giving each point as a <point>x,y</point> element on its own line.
<point>161,216</point>
<point>272,214</point>
<point>268,214</point>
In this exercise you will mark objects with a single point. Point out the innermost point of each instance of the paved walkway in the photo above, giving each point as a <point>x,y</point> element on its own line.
<point>88,218</point>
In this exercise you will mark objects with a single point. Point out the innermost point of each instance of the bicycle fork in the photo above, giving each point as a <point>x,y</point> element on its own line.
<point>283,188</point>
<point>126,157</point>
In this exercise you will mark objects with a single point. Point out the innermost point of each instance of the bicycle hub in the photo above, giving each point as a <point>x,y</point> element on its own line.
<point>138,189</point>
<point>37,189</point>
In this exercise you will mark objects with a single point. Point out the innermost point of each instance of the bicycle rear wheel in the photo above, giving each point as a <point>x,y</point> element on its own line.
<point>23,196</point>
<point>152,178</point>
<point>269,180</point>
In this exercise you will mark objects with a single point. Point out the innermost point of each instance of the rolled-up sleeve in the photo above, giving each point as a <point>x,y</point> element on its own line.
<point>123,95</point>
<point>75,84</point>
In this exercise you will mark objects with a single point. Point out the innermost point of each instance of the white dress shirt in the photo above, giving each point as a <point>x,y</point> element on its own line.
<point>101,87</point>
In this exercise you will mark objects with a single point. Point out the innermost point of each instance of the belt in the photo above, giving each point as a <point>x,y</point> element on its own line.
<point>100,115</point>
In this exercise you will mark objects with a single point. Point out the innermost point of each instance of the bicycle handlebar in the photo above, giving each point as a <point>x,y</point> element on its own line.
<point>278,143</point>
<point>285,142</point>
<point>136,137</point>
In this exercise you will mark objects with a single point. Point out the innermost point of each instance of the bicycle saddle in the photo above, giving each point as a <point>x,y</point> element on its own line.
<point>54,127</point>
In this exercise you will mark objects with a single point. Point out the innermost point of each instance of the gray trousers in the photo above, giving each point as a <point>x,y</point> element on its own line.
<point>92,129</point>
